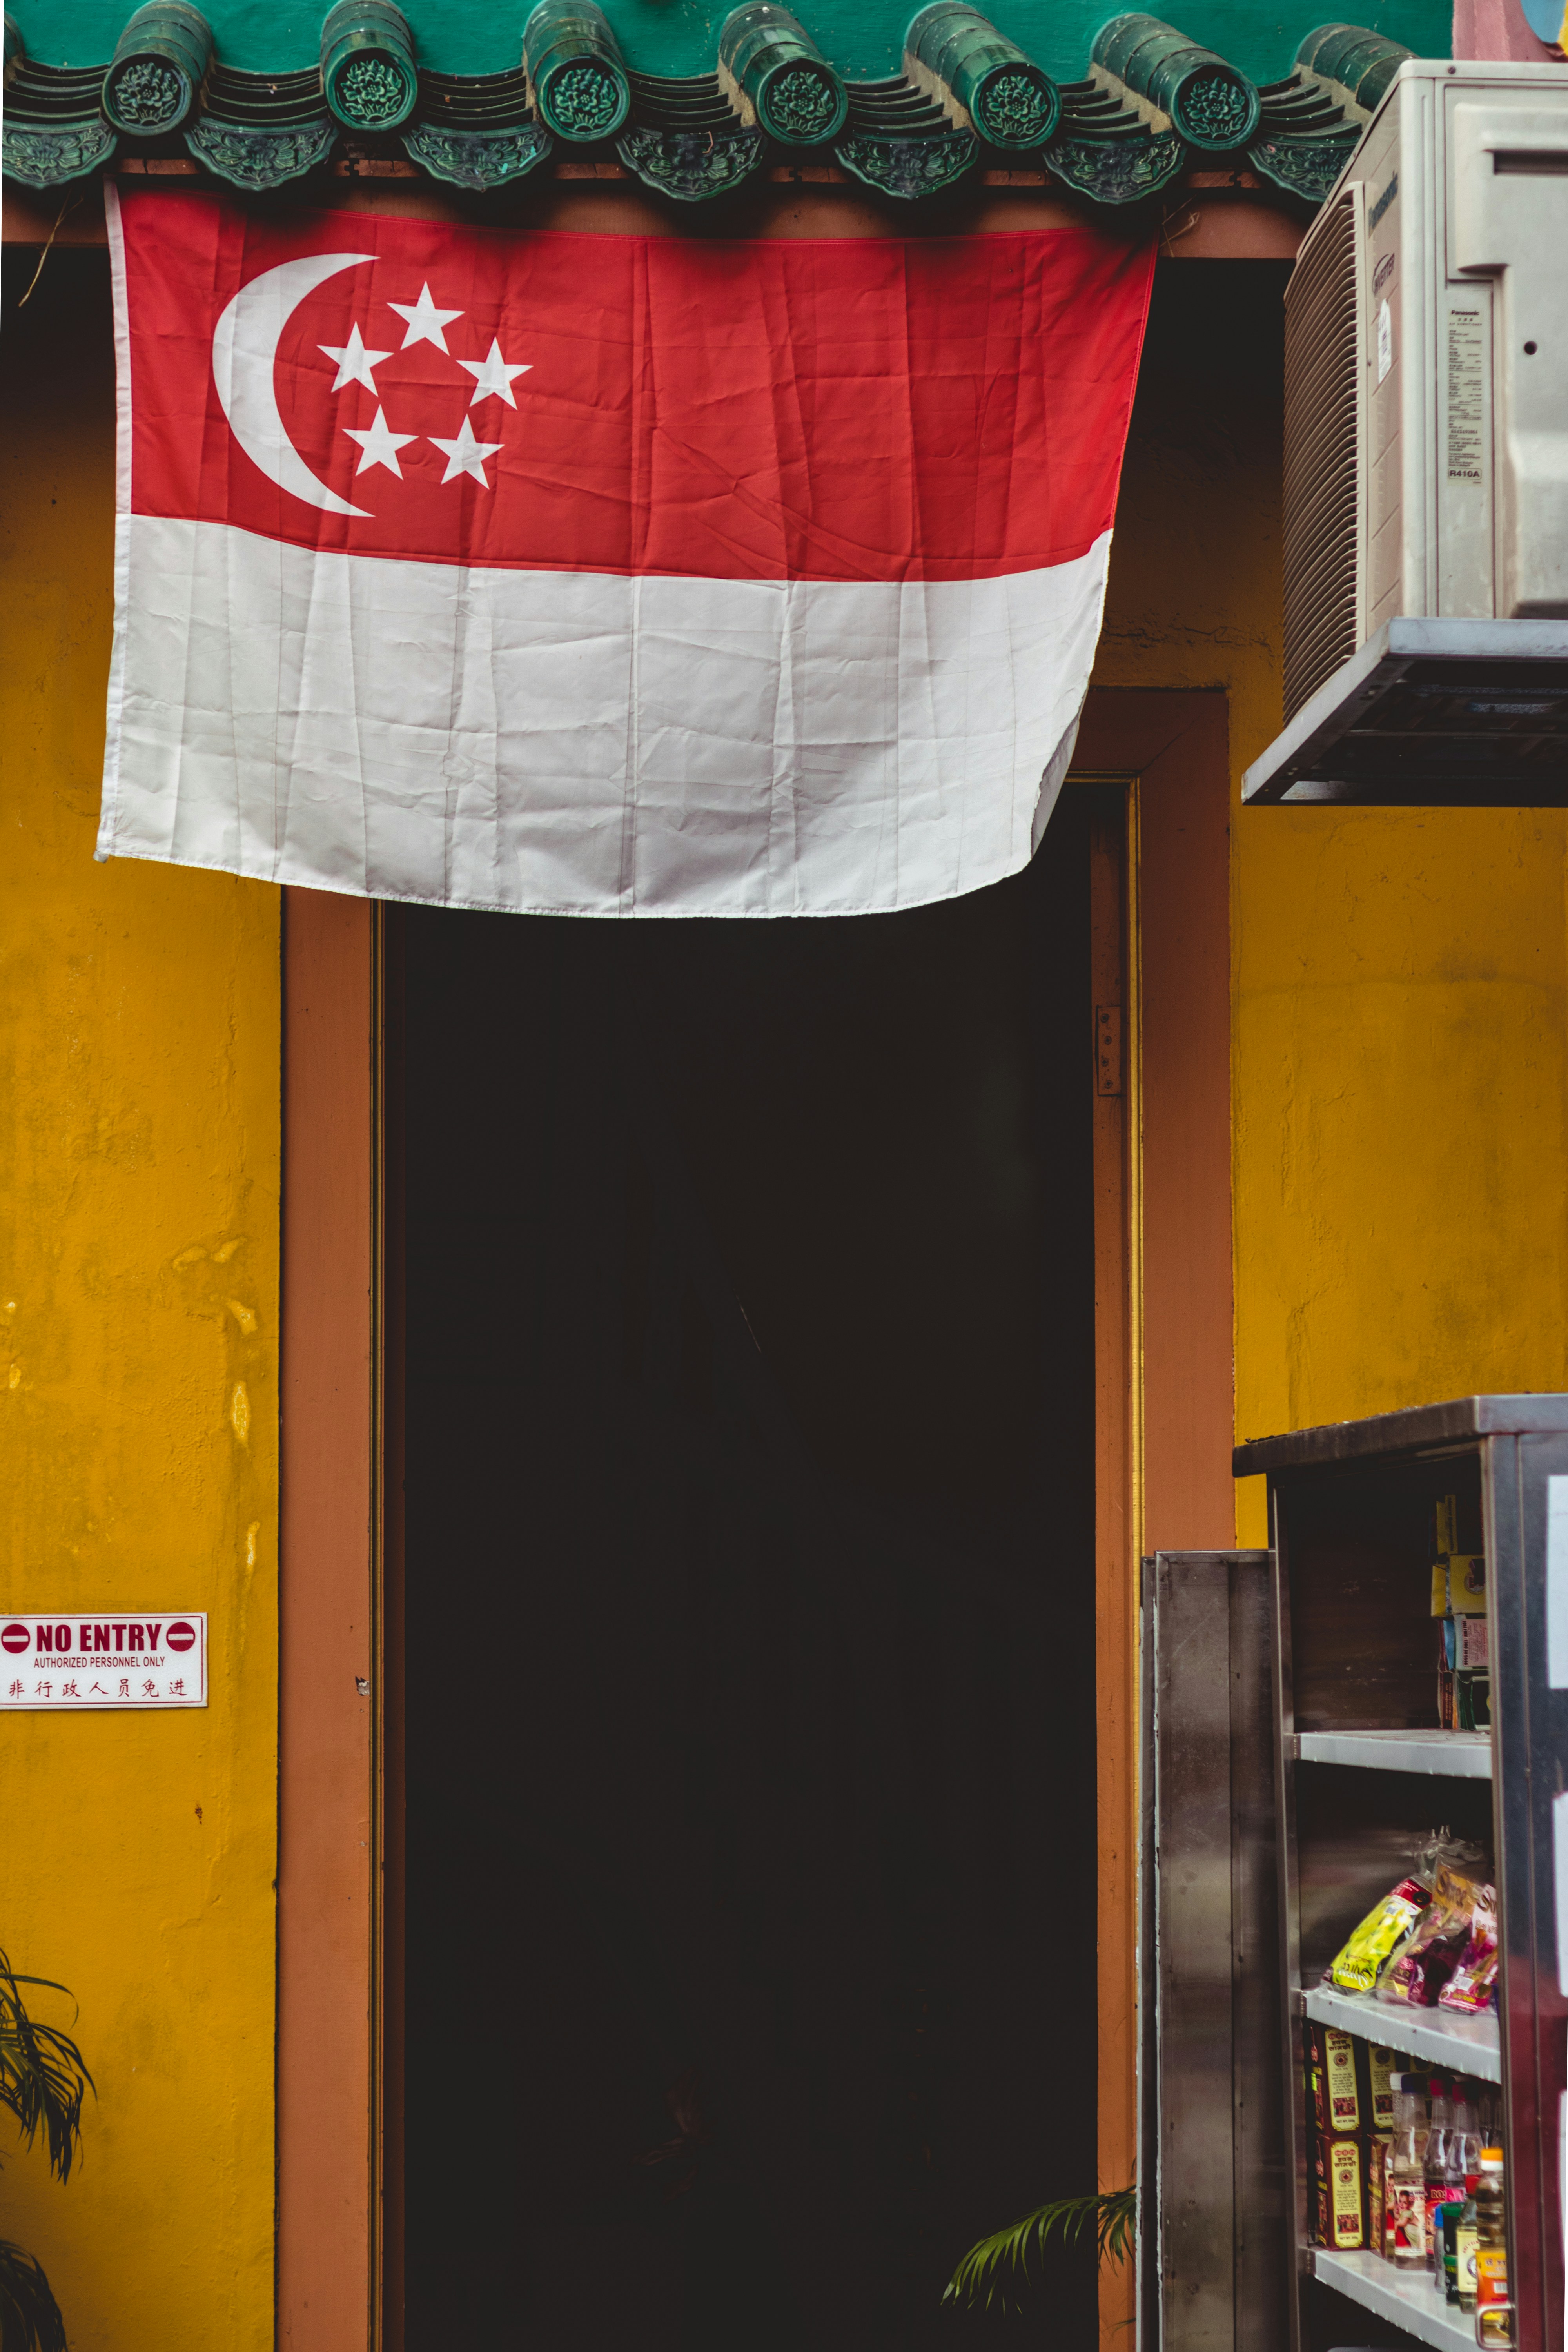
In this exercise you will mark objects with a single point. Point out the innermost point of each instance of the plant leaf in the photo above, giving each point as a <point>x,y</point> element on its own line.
<point>986,2270</point>
<point>43,2075</point>
<point>30,2319</point>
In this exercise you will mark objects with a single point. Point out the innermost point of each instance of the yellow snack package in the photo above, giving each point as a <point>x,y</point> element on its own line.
<point>1357,1968</point>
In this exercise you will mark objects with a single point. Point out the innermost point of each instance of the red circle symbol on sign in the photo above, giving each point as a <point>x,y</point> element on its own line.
<point>180,1636</point>
<point>17,1637</point>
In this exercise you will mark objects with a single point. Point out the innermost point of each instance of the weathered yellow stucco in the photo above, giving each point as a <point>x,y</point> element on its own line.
<point>1401,1098</point>
<point>1401,1144</point>
<point>139,1177</point>
<point>1400,977</point>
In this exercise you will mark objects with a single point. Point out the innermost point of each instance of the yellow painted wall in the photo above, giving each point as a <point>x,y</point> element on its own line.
<point>138,1184</point>
<point>1400,1076</point>
<point>1401,1141</point>
<point>1400,978</point>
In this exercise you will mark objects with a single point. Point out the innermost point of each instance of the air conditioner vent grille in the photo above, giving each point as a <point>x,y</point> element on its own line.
<point>1323,447</point>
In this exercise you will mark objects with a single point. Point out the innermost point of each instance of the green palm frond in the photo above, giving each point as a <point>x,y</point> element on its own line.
<point>43,2075</point>
<point>30,2318</point>
<point>999,2265</point>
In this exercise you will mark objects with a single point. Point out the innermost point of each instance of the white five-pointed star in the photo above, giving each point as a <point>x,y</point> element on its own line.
<point>423,322</point>
<point>354,363</point>
<point>492,377</point>
<point>464,455</point>
<point>378,444</point>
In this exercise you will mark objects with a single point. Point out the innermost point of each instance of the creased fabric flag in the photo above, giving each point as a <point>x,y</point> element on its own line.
<point>605,574</point>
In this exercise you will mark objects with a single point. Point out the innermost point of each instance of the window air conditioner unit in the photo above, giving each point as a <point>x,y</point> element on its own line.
<point>1426,455</point>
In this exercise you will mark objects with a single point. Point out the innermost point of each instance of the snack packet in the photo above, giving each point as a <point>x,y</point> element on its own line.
<point>1357,1966</point>
<point>1473,1985</point>
<point>1423,1964</point>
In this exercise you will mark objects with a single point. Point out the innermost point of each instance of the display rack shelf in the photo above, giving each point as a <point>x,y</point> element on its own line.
<point>1409,2300</point>
<point>1365,1787</point>
<point>1465,2046</point>
<point>1459,1755</point>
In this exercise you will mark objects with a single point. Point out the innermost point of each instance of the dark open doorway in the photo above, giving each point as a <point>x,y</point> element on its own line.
<point>749,1597</point>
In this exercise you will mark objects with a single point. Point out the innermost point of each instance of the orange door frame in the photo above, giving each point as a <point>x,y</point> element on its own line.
<point>1165,1383</point>
<point>330,2008</point>
<point>1165,1414</point>
<point>1164,1370</point>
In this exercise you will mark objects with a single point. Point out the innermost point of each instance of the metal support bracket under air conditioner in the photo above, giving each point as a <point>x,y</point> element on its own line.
<point>1431,713</point>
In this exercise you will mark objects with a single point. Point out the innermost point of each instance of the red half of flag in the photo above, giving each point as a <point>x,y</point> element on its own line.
<point>607,574</point>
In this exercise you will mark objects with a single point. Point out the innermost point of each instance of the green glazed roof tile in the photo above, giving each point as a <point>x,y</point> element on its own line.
<point>862,40</point>
<point>1153,102</point>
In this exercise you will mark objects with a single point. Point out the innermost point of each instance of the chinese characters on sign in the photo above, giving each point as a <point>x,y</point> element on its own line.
<point>71,1661</point>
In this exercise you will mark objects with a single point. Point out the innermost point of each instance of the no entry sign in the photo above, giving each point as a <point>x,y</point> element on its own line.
<point>56,1660</point>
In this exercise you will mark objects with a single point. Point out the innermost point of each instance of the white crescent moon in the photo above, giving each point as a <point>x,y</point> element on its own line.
<point>245,348</point>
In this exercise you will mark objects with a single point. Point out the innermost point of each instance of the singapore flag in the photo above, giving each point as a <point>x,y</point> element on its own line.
<point>605,574</point>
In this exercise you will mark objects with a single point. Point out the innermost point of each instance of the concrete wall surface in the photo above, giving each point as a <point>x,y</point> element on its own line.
<point>1401,1098</point>
<point>1400,990</point>
<point>1400,1074</point>
<point>138,1233</point>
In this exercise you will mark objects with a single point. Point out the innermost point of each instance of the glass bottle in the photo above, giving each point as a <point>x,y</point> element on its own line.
<point>1464,2157</point>
<point>1462,2132</point>
<point>1465,2239</point>
<point>1491,2230</point>
<point>1407,2190</point>
<point>1434,2171</point>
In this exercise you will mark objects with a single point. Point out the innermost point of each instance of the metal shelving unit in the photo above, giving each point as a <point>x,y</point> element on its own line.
<point>1459,1755</point>
<point>1409,2303</point>
<point>1464,2045</point>
<point>1363,1771</point>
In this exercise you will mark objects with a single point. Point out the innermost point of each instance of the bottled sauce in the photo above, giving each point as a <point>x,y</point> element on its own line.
<point>1448,2251</point>
<point>1406,2190</point>
<point>1491,2230</point>
<point>1465,2239</point>
<point>1434,2171</point>
<point>1385,2157</point>
<point>1464,2161</point>
<point>1464,2145</point>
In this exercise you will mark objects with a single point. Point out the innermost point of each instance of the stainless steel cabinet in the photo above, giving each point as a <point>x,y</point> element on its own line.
<point>1213,2257</point>
<point>1361,1770</point>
